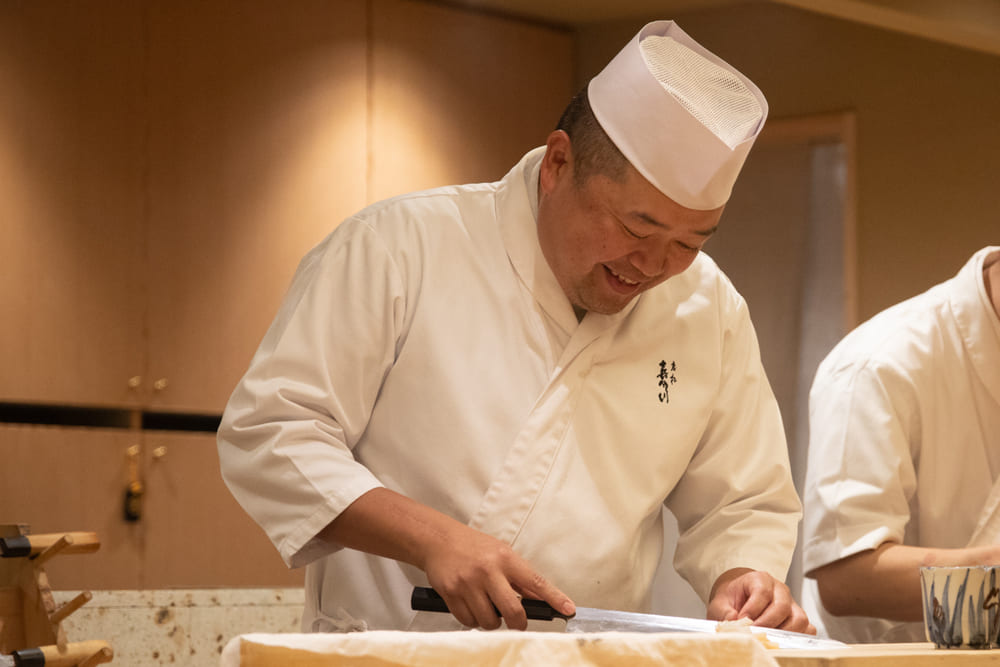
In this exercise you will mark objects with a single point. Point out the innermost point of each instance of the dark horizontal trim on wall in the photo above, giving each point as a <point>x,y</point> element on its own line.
<point>64,415</point>
<point>173,421</point>
<point>93,417</point>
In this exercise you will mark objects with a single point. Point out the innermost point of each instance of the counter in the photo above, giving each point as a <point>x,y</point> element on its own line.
<point>888,655</point>
<point>382,648</point>
<point>414,649</point>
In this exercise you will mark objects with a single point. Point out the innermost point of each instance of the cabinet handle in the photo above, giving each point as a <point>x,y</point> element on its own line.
<point>132,502</point>
<point>161,384</point>
<point>134,381</point>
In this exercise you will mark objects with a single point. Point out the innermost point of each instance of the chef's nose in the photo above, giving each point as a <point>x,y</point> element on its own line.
<point>652,259</point>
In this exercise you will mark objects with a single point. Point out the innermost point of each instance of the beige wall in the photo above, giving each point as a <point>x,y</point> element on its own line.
<point>928,129</point>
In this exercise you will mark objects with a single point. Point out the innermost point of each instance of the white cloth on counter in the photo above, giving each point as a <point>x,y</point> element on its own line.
<point>495,649</point>
<point>904,438</point>
<point>426,346</point>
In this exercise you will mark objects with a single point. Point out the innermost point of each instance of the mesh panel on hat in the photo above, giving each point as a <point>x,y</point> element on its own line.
<point>710,93</point>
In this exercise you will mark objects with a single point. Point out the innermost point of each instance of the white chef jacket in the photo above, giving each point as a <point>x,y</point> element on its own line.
<point>426,346</point>
<point>904,437</point>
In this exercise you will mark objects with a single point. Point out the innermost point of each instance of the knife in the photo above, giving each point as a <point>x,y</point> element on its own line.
<point>50,656</point>
<point>20,546</point>
<point>604,620</point>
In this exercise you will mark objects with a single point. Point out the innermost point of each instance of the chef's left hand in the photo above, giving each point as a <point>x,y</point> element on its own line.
<point>742,592</point>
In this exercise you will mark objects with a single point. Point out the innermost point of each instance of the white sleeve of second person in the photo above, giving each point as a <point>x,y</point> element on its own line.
<point>287,433</point>
<point>860,477</point>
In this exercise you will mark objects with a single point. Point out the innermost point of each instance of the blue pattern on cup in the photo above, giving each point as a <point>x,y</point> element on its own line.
<point>973,602</point>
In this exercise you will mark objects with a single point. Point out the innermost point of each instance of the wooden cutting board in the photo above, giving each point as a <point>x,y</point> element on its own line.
<point>887,655</point>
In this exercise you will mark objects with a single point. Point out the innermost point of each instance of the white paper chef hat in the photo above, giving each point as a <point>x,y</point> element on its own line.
<point>682,116</point>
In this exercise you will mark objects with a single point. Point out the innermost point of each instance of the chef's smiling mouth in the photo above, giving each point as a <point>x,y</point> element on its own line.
<point>620,279</point>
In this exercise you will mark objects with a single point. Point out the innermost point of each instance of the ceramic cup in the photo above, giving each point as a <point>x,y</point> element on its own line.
<point>960,606</point>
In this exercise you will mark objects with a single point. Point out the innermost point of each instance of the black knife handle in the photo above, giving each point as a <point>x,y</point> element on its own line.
<point>427,599</point>
<point>15,547</point>
<point>29,657</point>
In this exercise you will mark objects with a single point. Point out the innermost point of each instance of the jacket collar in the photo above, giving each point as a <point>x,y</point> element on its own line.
<point>977,321</point>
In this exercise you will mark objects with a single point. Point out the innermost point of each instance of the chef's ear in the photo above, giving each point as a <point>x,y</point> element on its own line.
<point>557,162</point>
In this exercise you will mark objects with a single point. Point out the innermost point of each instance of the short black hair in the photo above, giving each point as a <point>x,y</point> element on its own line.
<point>593,151</point>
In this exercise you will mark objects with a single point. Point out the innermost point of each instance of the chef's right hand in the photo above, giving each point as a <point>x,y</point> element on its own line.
<point>471,570</point>
<point>475,572</point>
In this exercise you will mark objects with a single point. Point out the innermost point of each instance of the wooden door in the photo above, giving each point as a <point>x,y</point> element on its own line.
<point>189,532</point>
<point>73,479</point>
<point>72,186</point>
<point>197,534</point>
<point>257,150</point>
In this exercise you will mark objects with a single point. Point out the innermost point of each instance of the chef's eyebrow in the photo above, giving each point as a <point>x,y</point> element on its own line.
<point>653,221</point>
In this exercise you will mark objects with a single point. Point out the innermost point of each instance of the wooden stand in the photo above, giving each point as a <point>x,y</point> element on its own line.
<point>29,617</point>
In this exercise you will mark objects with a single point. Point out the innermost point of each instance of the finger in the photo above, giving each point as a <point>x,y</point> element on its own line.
<point>722,612</point>
<point>537,587</point>
<point>484,612</point>
<point>791,621</point>
<point>721,609</point>
<point>782,612</point>
<point>798,621</point>
<point>774,616</point>
<point>508,603</point>
<point>461,611</point>
<point>758,601</point>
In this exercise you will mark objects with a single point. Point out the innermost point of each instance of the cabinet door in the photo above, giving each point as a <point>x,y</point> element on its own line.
<point>257,151</point>
<point>460,96</point>
<point>69,479</point>
<point>190,533</point>
<point>72,191</point>
<point>197,534</point>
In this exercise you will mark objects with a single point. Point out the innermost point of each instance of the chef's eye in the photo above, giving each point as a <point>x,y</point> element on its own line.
<point>632,233</point>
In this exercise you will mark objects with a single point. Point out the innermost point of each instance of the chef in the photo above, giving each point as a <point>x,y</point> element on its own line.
<point>496,389</point>
<point>904,456</point>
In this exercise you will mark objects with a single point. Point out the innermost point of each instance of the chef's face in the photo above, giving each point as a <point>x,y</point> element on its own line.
<point>606,241</point>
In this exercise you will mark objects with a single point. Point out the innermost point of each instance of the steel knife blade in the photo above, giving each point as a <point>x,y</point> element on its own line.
<point>588,619</point>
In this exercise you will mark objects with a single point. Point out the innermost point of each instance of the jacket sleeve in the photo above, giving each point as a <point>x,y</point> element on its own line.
<point>286,437</point>
<point>736,505</point>
<point>861,474</point>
